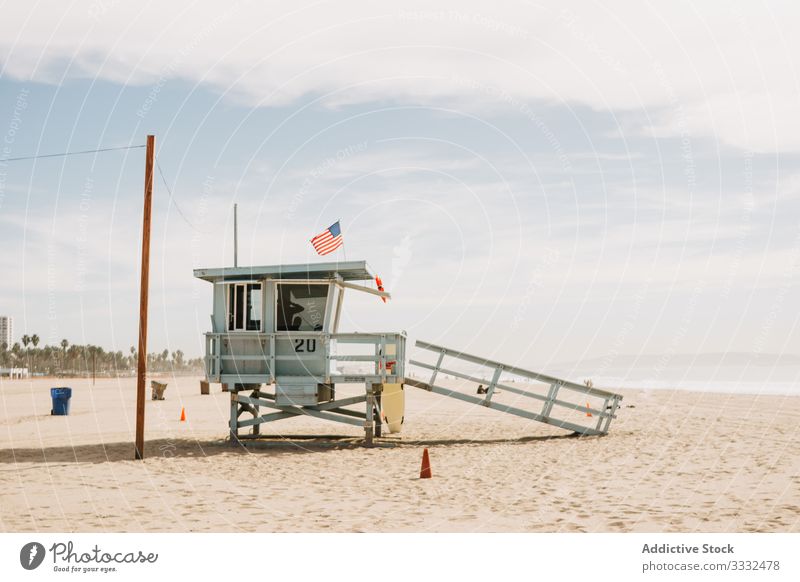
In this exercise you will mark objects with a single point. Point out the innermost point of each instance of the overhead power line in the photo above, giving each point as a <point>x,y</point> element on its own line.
<point>175,202</point>
<point>64,154</point>
<point>120,148</point>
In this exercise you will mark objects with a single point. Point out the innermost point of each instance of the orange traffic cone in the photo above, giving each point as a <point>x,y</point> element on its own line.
<point>589,414</point>
<point>425,471</point>
<point>183,414</point>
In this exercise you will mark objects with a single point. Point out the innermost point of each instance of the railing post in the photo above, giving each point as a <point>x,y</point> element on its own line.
<point>400,365</point>
<point>383,358</point>
<point>612,412</point>
<point>492,385</point>
<point>326,344</point>
<point>272,357</point>
<point>601,416</point>
<point>551,396</point>
<point>438,365</point>
<point>216,347</point>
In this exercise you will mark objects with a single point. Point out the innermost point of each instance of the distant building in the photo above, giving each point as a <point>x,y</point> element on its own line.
<point>12,373</point>
<point>7,330</point>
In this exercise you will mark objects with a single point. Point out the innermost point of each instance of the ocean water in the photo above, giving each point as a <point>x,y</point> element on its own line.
<point>783,380</point>
<point>723,373</point>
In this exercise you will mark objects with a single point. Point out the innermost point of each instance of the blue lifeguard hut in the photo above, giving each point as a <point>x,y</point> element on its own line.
<point>278,326</point>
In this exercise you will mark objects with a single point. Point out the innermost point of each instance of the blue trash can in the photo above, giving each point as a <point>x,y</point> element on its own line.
<point>60,398</point>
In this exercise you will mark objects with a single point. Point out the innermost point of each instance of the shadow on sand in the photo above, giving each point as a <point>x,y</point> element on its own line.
<point>113,452</point>
<point>267,445</point>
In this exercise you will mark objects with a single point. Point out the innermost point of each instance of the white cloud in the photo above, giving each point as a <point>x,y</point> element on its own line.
<point>723,69</point>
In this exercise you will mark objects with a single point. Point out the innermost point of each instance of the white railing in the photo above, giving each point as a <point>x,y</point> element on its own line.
<point>255,357</point>
<point>554,404</point>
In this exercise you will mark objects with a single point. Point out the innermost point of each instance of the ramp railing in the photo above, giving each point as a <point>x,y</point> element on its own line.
<point>562,401</point>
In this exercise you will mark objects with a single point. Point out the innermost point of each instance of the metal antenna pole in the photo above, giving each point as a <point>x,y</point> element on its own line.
<point>235,238</point>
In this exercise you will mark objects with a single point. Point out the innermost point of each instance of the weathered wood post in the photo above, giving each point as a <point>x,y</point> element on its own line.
<point>141,368</point>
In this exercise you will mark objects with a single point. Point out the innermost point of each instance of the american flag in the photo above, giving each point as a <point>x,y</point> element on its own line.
<point>329,240</point>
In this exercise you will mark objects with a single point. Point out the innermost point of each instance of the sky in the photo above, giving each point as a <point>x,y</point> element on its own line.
<point>536,183</point>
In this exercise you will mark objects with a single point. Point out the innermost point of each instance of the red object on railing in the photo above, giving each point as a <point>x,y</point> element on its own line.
<point>389,365</point>
<point>379,283</point>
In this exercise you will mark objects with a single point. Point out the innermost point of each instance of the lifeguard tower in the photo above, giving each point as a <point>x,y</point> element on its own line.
<point>275,342</point>
<point>279,326</point>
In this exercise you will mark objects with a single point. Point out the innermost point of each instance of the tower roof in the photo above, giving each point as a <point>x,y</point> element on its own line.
<point>347,271</point>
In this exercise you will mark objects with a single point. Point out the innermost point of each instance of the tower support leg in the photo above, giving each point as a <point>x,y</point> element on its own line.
<point>369,420</point>
<point>377,391</point>
<point>256,394</point>
<point>234,422</point>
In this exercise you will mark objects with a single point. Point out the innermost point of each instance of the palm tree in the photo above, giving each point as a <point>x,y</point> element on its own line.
<point>14,356</point>
<point>64,346</point>
<point>35,342</point>
<point>73,353</point>
<point>93,351</point>
<point>26,339</point>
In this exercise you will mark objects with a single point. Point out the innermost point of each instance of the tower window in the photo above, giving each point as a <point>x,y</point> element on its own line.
<point>244,306</point>
<point>301,306</point>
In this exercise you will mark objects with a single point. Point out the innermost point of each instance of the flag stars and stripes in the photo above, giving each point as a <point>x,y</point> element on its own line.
<point>329,240</point>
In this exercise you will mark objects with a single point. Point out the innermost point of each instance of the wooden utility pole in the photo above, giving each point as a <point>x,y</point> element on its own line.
<point>141,369</point>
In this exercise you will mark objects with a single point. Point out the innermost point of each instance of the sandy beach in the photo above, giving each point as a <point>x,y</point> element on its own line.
<point>673,461</point>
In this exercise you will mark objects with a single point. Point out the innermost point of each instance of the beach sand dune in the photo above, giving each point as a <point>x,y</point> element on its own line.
<point>673,462</point>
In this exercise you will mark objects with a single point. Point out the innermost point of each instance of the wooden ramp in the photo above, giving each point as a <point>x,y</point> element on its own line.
<point>554,401</point>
